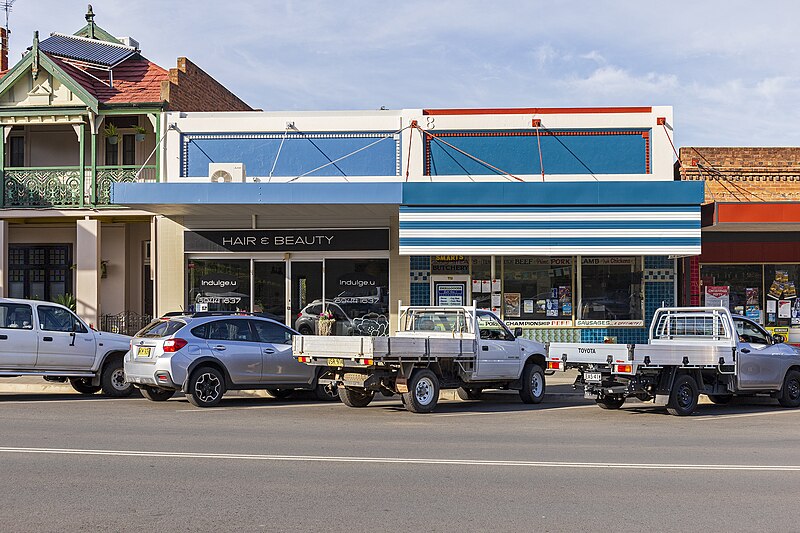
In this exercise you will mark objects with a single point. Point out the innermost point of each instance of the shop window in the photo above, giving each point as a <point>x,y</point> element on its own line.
<point>270,290</point>
<point>481,274</point>
<point>537,288</point>
<point>782,306</point>
<point>737,287</point>
<point>218,285</point>
<point>357,293</point>
<point>39,272</point>
<point>611,290</point>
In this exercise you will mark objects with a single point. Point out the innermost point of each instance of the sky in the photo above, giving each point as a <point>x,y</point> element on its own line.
<point>728,68</point>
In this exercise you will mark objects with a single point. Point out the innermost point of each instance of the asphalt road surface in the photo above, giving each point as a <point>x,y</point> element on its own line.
<point>71,463</point>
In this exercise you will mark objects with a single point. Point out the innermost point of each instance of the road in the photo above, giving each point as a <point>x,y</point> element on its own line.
<point>72,463</point>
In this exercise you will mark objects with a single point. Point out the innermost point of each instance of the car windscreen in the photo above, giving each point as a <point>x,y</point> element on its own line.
<point>161,328</point>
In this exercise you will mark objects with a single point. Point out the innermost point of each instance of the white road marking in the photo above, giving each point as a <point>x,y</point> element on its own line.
<point>541,410</point>
<point>72,400</point>
<point>220,409</point>
<point>745,415</point>
<point>400,460</point>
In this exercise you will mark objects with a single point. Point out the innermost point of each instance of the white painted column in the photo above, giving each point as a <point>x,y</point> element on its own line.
<point>3,258</point>
<point>168,264</point>
<point>87,282</point>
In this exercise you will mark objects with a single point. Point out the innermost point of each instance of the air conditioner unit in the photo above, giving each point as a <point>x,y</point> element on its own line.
<point>226,172</point>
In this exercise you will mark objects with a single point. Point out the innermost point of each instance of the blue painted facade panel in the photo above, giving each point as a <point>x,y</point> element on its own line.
<point>296,154</point>
<point>574,152</point>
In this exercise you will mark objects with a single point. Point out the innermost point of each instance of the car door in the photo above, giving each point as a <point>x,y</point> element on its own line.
<point>498,352</point>
<point>233,342</point>
<point>760,363</point>
<point>276,351</point>
<point>65,343</point>
<point>18,340</point>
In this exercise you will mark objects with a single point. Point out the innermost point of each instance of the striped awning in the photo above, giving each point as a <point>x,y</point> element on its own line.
<point>545,230</point>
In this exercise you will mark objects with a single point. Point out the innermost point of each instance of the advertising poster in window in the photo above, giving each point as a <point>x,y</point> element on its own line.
<point>717,296</point>
<point>512,304</point>
<point>450,294</point>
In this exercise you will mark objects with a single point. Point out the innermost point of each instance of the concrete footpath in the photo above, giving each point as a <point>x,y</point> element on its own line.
<point>559,386</point>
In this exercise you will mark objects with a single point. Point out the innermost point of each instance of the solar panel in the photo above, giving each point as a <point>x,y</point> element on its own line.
<point>92,51</point>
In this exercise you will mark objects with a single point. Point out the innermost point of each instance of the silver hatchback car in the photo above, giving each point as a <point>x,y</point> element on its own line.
<point>204,356</point>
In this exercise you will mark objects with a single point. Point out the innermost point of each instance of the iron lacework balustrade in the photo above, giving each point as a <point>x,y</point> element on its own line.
<point>63,187</point>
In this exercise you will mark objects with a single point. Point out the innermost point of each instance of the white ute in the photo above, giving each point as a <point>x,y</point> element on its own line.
<point>691,351</point>
<point>434,348</point>
<point>46,339</point>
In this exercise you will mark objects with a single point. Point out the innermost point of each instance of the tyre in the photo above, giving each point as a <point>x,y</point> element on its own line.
<point>305,330</point>
<point>84,386</point>
<point>720,399</point>
<point>683,397</point>
<point>470,393</point>
<point>112,380</point>
<point>326,393</point>
<point>790,392</point>
<point>423,391</point>
<point>155,394</point>
<point>280,394</point>
<point>610,402</point>
<point>206,387</point>
<point>533,384</point>
<point>355,397</point>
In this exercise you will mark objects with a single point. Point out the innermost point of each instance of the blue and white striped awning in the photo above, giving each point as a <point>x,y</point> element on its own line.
<point>590,230</point>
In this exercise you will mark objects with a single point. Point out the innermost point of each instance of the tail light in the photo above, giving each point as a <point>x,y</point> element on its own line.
<point>554,365</point>
<point>367,362</point>
<point>299,315</point>
<point>623,369</point>
<point>173,345</point>
<point>303,359</point>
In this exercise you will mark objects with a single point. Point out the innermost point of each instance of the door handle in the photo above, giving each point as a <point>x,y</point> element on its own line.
<point>485,348</point>
<point>47,339</point>
<point>744,350</point>
<point>3,337</point>
<point>268,350</point>
<point>220,347</point>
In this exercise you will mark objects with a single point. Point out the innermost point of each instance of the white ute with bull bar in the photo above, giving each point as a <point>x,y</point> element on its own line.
<point>449,347</point>
<point>690,351</point>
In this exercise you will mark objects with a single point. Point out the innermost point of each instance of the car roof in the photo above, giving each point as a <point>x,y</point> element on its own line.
<point>205,317</point>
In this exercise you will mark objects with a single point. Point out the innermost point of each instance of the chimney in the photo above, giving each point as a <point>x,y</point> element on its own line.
<point>3,49</point>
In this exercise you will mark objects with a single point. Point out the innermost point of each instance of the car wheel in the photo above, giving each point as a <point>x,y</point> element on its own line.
<point>84,386</point>
<point>280,394</point>
<point>305,330</point>
<point>610,402</point>
<point>423,391</point>
<point>154,394</point>
<point>355,397</point>
<point>790,392</point>
<point>720,399</point>
<point>326,393</point>
<point>470,393</point>
<point>206,387</point>
<point>112,380</point>
<point>533,384</point>
<point>683,397</point>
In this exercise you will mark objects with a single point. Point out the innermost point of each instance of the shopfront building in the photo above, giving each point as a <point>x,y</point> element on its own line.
<point>750,261</point>
<point>565,222</point>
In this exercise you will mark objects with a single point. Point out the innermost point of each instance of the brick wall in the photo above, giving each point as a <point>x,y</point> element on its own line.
<point>744,174</point>
<point>189,88</point>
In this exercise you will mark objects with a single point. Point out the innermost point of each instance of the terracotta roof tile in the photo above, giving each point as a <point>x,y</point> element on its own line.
<point>136,80</point>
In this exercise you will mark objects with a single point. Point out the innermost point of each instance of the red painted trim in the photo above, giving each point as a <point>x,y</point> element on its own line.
<point>537,111</point>
<point>533,133</point>
<point>776,212</point>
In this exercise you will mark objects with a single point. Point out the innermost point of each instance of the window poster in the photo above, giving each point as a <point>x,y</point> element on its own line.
<point>527,307</point>
<point>486,285</point>
<point>495,301</point>
<point>512,304</point>
<point>752,295</point>
<point>552,307</point>
<point>566,308</point>
<point>717,296</point>
<point>784,309</point>
<point>477,286</point>
<point>796,312</point>
<point>450,294</point>
<point>496,285</point>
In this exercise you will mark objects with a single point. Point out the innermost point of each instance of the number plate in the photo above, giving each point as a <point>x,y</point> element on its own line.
<point>332,361</point>
<point>143,351</point>
<point>593,376</point>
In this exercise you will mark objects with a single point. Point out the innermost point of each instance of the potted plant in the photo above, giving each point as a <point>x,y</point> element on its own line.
<point>326,323</point>
<point>111,133</point>
<point>140,132</point>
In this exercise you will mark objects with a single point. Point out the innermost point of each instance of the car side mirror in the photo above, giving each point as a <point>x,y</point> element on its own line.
<point>517,332</point>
